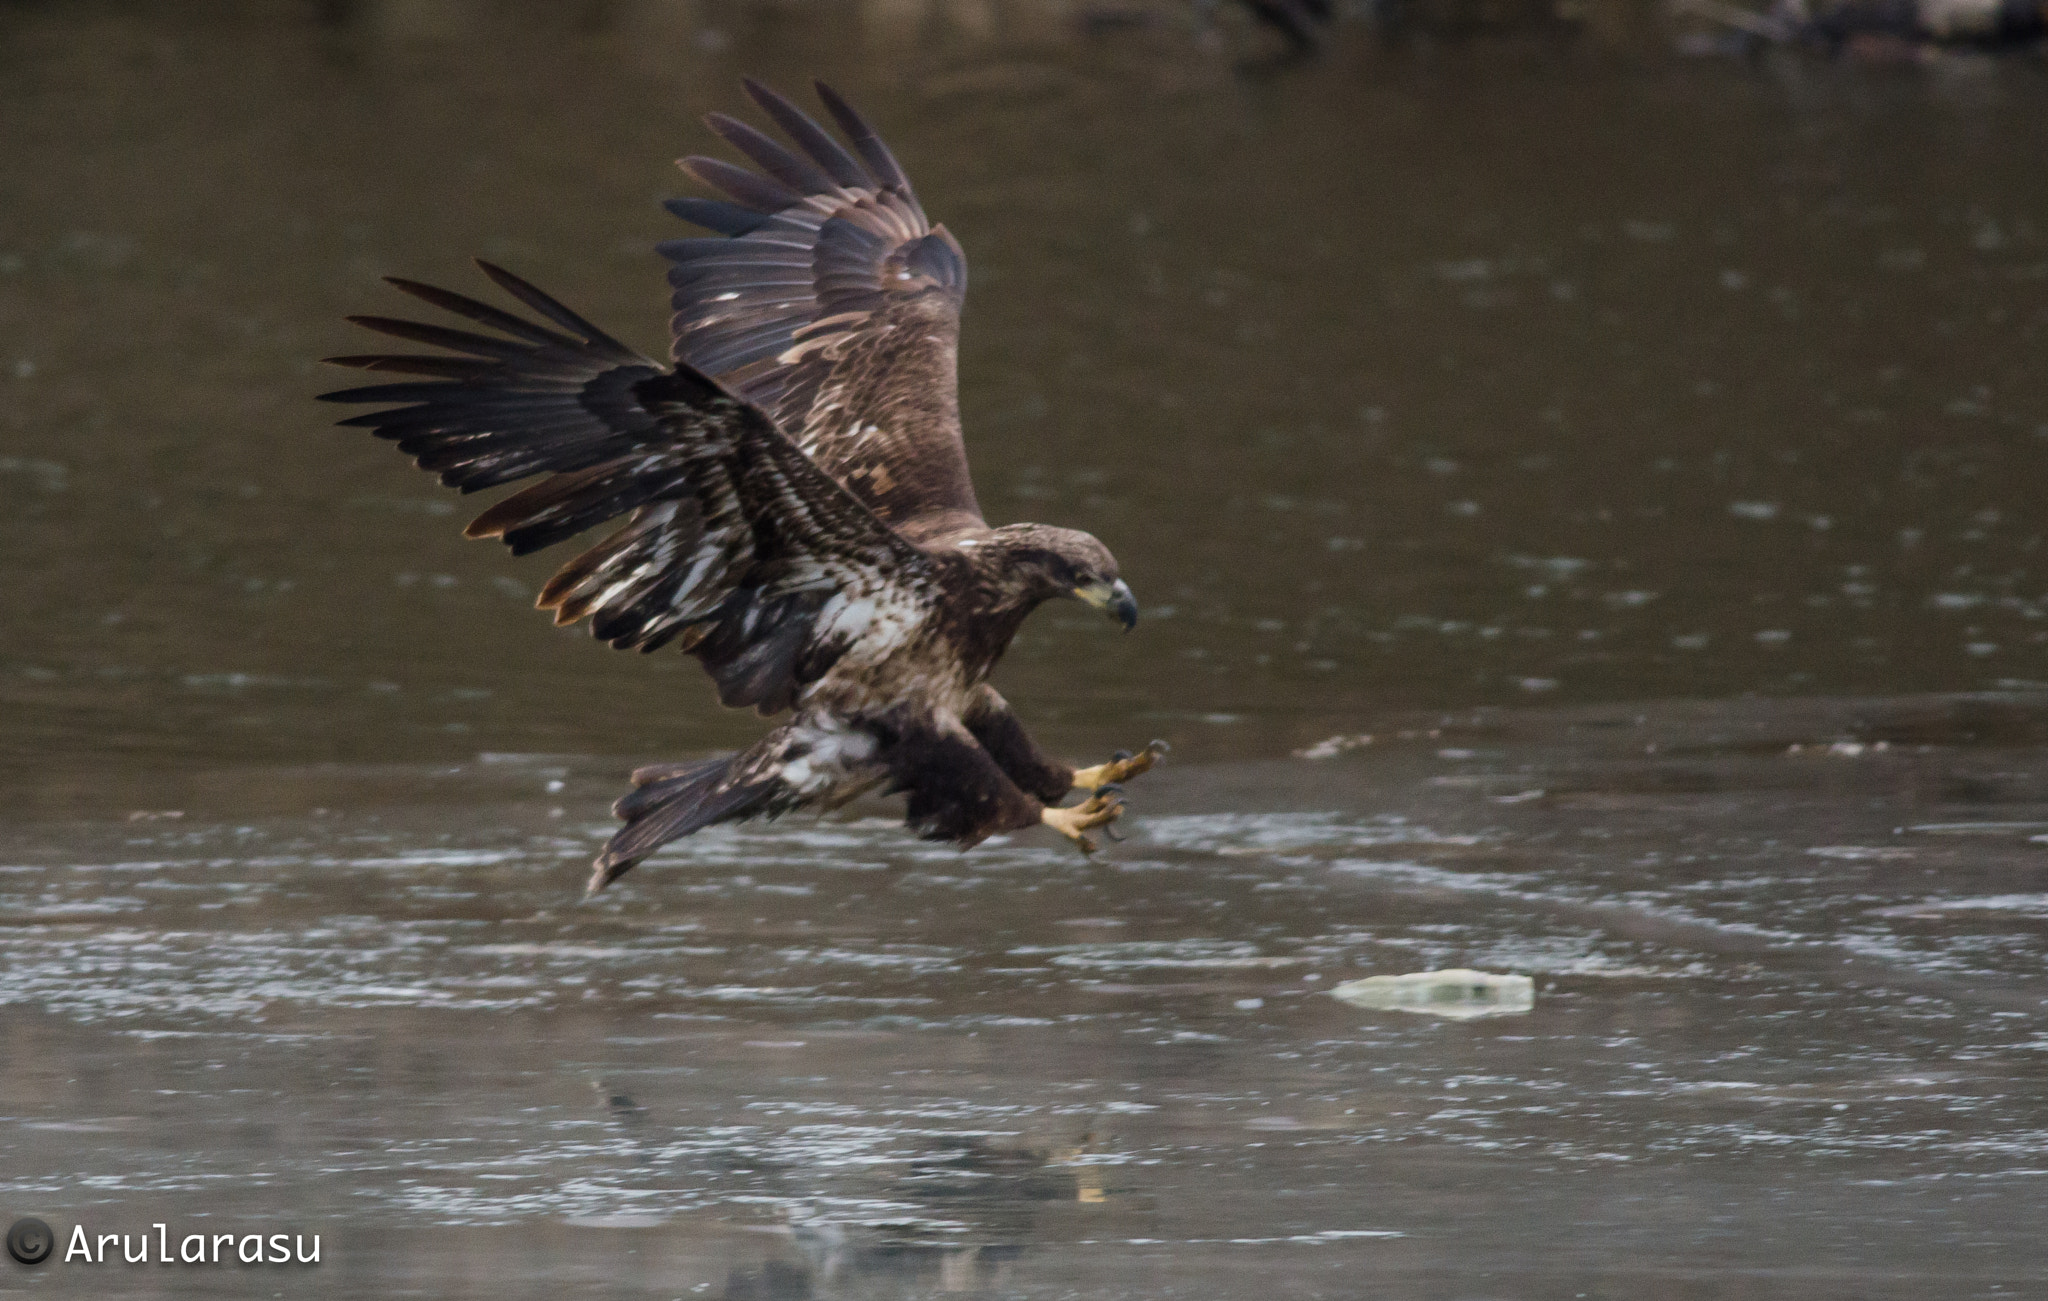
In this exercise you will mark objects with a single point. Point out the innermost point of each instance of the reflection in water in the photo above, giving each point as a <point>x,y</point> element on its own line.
<point>978,1202</point>
<point>1775,964</point>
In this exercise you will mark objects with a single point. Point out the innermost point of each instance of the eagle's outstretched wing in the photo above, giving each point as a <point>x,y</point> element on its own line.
<point>760,564</point>
<point>833,304</point>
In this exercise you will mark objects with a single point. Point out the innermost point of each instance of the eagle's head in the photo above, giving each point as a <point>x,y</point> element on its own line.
<point>1041,562</point>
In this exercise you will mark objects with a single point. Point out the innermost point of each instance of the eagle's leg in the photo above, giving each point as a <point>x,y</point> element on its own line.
<point>957,790</point>
<point>989,718</point>
<point>1120,769</point>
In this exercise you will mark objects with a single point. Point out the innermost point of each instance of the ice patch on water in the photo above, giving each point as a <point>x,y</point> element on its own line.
<point>1411,873</point>
<point>1861,853</point>
<point>1575,955</point>
<point>1459,993</point>
<point>616,1220</point>
<point>918,963</point>
<point>2020,905</point>
<point>1140,954</point>
<point>1278,833</point>
<point>1322,1238</point>
<point>1976,828</point>
<point>436,858</point>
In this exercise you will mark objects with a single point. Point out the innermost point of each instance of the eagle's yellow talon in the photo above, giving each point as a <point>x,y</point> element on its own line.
<point>1122,768</point>
<point>1098,810</point>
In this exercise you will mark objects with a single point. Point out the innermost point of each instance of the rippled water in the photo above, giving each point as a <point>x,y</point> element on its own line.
<point>1585,509</point>
<point>1788,1034</point>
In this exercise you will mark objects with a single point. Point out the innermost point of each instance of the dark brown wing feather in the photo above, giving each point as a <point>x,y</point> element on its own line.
<point>736,544</point>
<point>830,301</point>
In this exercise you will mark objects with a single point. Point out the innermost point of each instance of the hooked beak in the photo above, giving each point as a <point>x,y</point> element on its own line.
<point>1113,599</point>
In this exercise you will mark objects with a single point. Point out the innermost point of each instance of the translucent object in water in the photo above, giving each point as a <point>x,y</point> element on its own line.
<point>1458,993</point>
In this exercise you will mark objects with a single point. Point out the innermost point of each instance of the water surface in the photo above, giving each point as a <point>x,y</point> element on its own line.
<point>1585,510</point>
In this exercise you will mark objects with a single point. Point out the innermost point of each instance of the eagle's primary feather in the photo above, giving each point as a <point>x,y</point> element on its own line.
<point>798,513</point>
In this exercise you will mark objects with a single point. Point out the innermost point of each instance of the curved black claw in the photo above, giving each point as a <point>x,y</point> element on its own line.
<point>1121,756</point>
<point>1109,829</point>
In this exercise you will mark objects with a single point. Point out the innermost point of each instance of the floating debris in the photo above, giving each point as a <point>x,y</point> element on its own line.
<point>1459,993</point>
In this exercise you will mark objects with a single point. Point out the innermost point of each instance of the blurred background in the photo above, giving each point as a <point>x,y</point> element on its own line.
<point>1580,462</point>
<point>1487,356</point>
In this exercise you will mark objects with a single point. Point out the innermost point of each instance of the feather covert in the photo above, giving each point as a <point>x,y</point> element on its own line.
<point>735,542</point>
<point>830,301</point>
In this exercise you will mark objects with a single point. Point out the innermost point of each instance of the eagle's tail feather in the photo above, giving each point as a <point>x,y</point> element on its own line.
<point>672,800</point>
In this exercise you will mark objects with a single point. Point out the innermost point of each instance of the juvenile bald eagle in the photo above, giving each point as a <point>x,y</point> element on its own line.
<point>798,510</point>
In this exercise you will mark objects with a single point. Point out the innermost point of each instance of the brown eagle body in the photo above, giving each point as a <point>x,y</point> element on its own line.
<point>798,509</point>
